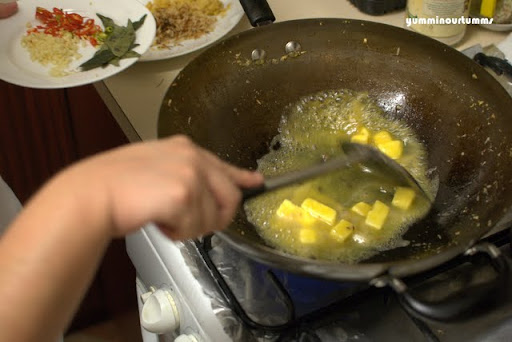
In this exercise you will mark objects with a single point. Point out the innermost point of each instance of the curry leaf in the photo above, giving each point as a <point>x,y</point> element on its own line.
<point>114,61</point>
<point>107,22</point>
<point>120,40</point>
<point>100,57</point>
<point>130,54</point>
<point>138,23</point>
<point>118,45</point>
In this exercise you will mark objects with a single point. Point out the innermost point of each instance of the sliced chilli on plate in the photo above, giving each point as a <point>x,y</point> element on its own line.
<point>46,42</point>
<point>56,40</point>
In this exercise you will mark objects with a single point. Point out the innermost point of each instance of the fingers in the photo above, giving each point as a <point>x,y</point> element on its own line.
<point>192,209</point>
<point>225,182</point>
<point>179,214</point>
<point>8,9</point>
<point>227,196</point>
<point>242,178</point>
<point>209,209</point>
<point>213,188</point>
<point>195,203</point>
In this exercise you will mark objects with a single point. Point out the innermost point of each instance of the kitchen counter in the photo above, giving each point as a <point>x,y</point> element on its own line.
<point>134,95</point>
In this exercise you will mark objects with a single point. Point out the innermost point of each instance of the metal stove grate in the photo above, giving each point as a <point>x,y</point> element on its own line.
<point>301,328</point>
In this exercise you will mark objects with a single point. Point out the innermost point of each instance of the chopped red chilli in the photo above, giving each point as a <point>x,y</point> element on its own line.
<point>57,22</point>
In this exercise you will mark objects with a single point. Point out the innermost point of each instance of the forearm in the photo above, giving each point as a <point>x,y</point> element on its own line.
<point>50,253</point>
<point>48,258</point>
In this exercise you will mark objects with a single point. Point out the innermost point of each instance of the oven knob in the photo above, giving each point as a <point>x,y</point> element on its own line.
<point>159,313</point>
<point>186,338</point>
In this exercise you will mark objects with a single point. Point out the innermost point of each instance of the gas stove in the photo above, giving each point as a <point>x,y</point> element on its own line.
<point>182,295</point>
<point>205,291</point>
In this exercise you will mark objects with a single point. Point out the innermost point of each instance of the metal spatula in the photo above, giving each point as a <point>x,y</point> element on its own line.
<point>354,154</point>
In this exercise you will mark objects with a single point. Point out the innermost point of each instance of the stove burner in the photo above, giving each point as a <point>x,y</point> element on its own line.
<point>301,325</point>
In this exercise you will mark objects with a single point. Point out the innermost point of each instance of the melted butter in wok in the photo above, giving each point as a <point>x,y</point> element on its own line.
<point>313,130</point>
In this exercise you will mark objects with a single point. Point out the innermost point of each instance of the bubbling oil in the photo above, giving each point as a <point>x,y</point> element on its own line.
<point>313,130</point>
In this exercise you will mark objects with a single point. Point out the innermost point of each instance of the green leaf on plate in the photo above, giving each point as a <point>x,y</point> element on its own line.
<point>138,23</point>
<point>120,40</point>
<point>114,61</point>
<point>118,45</point>
<point>106,21</point>
<point>100,58</point>
<point>131,54</point>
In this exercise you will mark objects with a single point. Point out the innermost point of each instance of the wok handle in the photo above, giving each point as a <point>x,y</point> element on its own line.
<point>470,300</point>
<point>258,12</point>
<point>498,65</point>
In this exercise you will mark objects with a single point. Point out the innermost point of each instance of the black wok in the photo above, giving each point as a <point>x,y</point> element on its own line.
<point>233,107</point>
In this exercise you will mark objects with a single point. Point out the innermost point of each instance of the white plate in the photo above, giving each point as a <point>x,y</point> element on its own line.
<point>16,66</point>
<point>498,27</point>
<point>225,23</point>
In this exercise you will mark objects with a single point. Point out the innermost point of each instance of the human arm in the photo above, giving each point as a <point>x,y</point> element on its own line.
<point>50,253</point>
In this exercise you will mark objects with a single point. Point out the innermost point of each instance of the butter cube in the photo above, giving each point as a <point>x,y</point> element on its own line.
<point>287,209</point>
<point>382,137</point>
<point>359,139</point>
<point>361,208</point>
<point>319,211</point>
<point>377,216</point>
<point>307,236</point>
<point>393,149</point>
<point>403,198</point>
<point>290,211</point>
<point>342,230</point>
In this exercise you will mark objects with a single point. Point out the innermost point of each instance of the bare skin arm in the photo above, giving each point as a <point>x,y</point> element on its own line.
<point>50,253</point>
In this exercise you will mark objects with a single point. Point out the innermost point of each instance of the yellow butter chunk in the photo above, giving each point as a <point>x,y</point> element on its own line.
<point>377,216</point>
<point>359,139</point>
<point>382,137</point>
<point>287,209</point>
<point>393,149</point>
<point>361,208</point>
<point>403,198</point>
<point>290,211</point>
<point>319,210</point>
<point>307,236</point>
<point>342,230</point>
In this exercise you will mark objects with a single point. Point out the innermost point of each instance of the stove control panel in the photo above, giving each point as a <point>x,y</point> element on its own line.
<point>161,265</point>
<point>159,312</point>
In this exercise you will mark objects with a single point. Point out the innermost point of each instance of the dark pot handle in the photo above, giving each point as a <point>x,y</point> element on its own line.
<point>468,300</point>
<point>498,65</point>
<point>258,12</point>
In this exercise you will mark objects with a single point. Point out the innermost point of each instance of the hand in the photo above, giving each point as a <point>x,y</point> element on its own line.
<point>8,9</point>
<point>184,189</point>
<point>68,224</point>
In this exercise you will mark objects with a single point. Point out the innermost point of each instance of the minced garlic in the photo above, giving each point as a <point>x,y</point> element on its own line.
<point>57,52</point>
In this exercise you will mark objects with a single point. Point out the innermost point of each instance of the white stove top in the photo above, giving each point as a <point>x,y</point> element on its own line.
<point>171,272</point>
